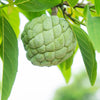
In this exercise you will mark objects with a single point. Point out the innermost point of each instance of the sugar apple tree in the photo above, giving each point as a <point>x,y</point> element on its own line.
<point>52,36</point>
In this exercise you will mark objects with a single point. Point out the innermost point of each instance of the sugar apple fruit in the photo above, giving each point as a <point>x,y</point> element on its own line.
<point>48,40</point>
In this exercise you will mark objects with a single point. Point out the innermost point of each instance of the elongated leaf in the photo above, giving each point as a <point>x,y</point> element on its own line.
<point>93,27</point>
<point>72,2</point>
<point>13,19</point>
<point>36,5</point>
<point>97,6</point>
<point>10,58</point>
<point>87,52</point>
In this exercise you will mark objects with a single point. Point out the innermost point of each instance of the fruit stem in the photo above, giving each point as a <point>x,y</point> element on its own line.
<point>54,10</point>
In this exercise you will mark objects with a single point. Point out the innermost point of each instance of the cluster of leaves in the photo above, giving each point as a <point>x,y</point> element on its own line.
<point>9,31</point>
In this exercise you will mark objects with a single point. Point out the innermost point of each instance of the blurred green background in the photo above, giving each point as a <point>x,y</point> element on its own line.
<point>79,89</point>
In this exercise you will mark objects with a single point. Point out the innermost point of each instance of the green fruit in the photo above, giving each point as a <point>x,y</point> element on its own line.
<point>48,40</point>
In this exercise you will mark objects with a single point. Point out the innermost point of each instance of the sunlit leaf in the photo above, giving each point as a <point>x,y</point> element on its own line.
<point>13,19</point>
<point>87,51</point>
<point>66,72</point>
<point>9,54</point>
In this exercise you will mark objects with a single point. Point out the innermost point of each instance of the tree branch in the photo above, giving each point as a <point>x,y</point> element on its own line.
<point>80,5</point>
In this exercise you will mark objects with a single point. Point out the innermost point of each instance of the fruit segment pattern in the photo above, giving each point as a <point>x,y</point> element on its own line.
<point>48,40</point>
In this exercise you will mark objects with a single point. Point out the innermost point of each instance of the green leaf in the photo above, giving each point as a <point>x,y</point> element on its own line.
<point>97,6</point>
<point>66,72</point>
<point>31,15</point>
<point>93,27</point>
<point>36,5</point>
<point>87,51</point>
<point>13,19</point>
<point>72,3</point>
<point>9,56</point>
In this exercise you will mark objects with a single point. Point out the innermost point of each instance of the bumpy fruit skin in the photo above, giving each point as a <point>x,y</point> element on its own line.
<point>48,40</point>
